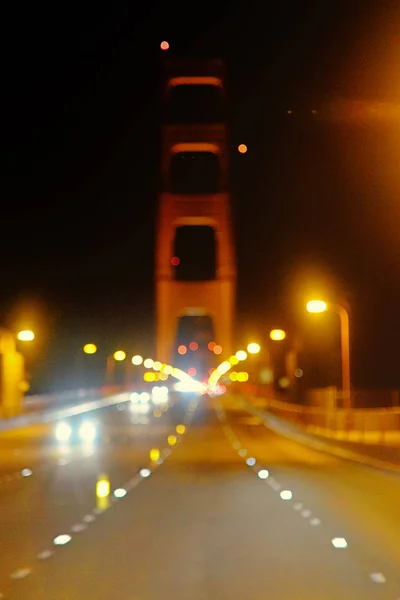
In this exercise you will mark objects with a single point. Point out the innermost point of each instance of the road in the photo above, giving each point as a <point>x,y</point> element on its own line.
<point>234,511</point>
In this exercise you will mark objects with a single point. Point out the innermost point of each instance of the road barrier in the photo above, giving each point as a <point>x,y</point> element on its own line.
<point>365,425</point>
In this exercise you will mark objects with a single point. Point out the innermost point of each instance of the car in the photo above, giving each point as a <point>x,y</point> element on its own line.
<point>77,431</point>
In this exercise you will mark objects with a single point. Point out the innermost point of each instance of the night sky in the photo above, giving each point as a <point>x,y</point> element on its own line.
<point>316,199</point>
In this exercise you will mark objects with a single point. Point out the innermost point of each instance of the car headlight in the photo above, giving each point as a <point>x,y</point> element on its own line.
<point>63,432</point>
<point>87,431</point>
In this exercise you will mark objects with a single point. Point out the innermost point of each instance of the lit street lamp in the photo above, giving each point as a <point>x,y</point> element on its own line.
<point>277,335</point>
<point>26,335</point>
<point>319,306</point>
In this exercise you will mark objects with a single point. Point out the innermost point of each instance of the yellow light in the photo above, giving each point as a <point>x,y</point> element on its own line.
<point>26,335</point>
<point>102,487</point>
<point>224,367</point>
<point>233,376</point>
<point>163,377</point>
<point>277,335</point>
<point>180,429</point>
<point>149,376</point>
<point>253,348</point>
<point>243,376</point>
<point>172,440</point>
<point>148,363</point>
<point>157,365</point>
<point>137,360</point>
<point>284,382</point>
<point>316,306</point>
<point>233,360</point>
<point>119,355</point>
<point>241,355</point>
<point>168,370</point>
<point>154,454</point>
<point>90,348</point>
<point>157,412</point>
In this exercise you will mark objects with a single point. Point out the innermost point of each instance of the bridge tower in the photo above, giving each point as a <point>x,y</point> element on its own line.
<point>194,134</point>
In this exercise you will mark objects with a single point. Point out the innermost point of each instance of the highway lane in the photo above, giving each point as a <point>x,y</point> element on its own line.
<point>207,525</point>
<point>58,489</point>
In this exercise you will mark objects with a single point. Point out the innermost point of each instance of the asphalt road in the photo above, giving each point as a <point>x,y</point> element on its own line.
<point>204,524</point>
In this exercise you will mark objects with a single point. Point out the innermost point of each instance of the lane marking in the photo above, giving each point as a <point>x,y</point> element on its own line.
<point>21,573</point>
<point>45,554</point>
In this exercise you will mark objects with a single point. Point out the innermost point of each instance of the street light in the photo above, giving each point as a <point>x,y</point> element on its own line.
<point>277,335</point>
<point>90,348</point>
<point>319,306</point>
<point>26,335</point>
<point>253,348</point>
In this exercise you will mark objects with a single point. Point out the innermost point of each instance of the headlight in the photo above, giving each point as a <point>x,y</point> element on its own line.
<point>87,431</point>
<point>63,432</point>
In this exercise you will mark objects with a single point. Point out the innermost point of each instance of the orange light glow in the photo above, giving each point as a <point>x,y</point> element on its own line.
<point>217,349</point>
<point>211,346</point>
<point>182,349</point>
<point>164,45</point>
<point>193,346</point>
<point>175,261</point>
<point>192,371</point>
<point>210,371</point>
<point>242,148</point>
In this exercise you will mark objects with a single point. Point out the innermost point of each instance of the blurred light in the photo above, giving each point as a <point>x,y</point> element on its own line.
<point>134,397</point>
<point>172,440</point>
<point>193,346</point>
<point>144,473</point>
<point>286,495</point>
<point>120,492</point>
<point>119,355</point>
<point>149,376</point>
<point>192,371</point>
<point>263,474</point>
<point>102,487</point>
<point>26,472</point>
<point>63,432</point>
<point>90,348</point>
<point>148,363</point>
<point>289,112</point>
<point>157,365</point>
<point>164,45</point>
<point>316,306</point>
<point>211,346</point>
<point>210,371</point>
<point>339,542</point>
<point>253,348</point>
<point>180,429</point>
<point>175,261</point>
<point>62,539</point>
<point>163,376</point>
<point>250,462</point>
<point>242,148</point>
<point>298,373</point>
<point>241,355</point>
<point>182,349</point>
<point>168,369</point>
<point>233,360</point>
<point>242,452</point>
<point>26,335</point>
<point>217,349</point>
<point>157,413</point>
<point>233,376</point>
<point>266,376</point>
<point>137,360</point>
<point>277,335</point>
<point>242,376</point>
<point>87,431</point>
<point>154,454</point>
<point>284,382</point>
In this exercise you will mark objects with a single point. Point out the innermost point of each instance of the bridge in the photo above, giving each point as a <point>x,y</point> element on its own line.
<point>196,478</point>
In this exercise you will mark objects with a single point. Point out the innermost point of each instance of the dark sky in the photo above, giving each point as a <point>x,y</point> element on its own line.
<point>316,199</point>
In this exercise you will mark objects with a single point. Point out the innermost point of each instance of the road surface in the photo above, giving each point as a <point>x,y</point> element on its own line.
<point>234,511</point>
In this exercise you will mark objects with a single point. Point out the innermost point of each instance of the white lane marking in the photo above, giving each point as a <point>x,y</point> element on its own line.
<point>306,513</point>
<point>45,554</point>
<point>315,521</point>
<point>62,539</point>
<point>89,518</point>
<point>21,573</point>
<point>377,577</point>
<point>286,495</point>
<point>298,506</point>
<point>263,474</point>
<point>78,527</point>
<point>26,472</point>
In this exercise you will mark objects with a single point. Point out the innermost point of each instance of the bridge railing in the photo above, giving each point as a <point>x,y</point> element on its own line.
<point>369,425</point>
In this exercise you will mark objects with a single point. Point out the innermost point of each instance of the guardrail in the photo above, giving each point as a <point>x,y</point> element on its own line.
<point>366,425</point>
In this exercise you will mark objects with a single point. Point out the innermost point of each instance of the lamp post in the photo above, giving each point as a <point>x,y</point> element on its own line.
<point>319,306</point>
